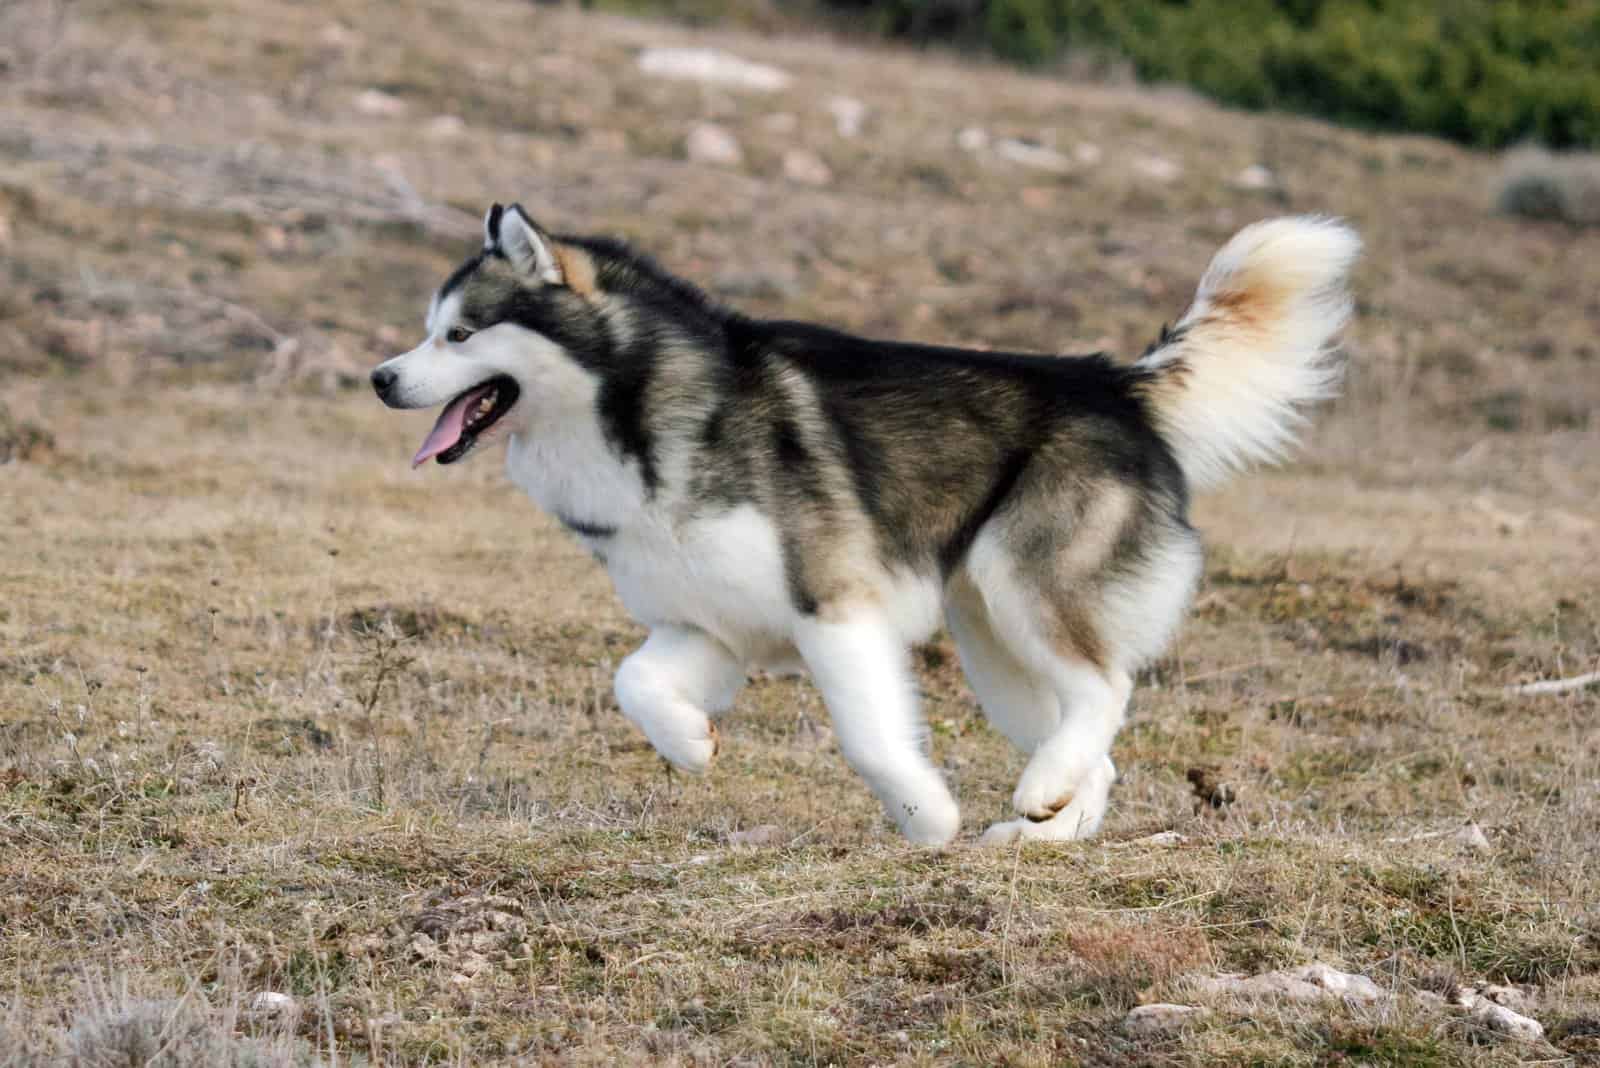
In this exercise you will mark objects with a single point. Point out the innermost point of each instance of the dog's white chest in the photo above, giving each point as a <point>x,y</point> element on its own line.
<point>723,574</point>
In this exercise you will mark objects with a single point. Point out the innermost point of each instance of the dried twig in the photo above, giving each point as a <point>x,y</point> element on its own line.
<point>1551,686</point>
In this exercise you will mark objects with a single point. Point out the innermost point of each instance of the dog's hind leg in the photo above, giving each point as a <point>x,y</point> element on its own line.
<point>1023,705</point>
<point>860,665</point>
<point>670,685</point>
<point>1017,702</point>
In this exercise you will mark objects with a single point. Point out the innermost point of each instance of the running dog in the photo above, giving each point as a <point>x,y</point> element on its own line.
<point>778,494</point>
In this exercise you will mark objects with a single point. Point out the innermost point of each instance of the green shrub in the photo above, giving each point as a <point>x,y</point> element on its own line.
<point>1480,72</point>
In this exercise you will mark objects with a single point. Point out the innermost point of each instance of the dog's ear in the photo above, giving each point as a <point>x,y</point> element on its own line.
<point>491,226</point>
<point>511,233</point>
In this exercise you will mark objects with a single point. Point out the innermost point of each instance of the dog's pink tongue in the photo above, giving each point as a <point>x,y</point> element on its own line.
<point>447,431</point>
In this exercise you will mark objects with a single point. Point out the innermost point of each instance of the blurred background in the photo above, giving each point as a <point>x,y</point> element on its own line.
<point>266,193</point>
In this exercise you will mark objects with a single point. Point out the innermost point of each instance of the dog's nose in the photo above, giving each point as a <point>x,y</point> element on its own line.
<point>382,379</point>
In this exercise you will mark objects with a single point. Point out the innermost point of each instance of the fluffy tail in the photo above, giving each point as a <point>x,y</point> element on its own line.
<point>1228,384</point>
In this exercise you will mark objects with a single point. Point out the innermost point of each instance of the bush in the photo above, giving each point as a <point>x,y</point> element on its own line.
<point>1539,185</point>
<point>1482,73</point>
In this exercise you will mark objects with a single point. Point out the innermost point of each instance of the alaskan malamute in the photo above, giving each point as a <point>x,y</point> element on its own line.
<point>776,493</point>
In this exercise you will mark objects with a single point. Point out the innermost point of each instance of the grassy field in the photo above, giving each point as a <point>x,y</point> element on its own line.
<point>279,715</point>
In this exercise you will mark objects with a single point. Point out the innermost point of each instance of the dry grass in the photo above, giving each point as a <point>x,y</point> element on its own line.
<point>277,714</point>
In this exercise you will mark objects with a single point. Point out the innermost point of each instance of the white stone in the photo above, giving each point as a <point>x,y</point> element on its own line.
<point>379,104</point>
<point>765,835</point>
<point>849,114</point>
<point>445,127</point>
<point>1509,996</point>
<point>973,139</point>
<point>1311,982</point>
<point>1255,177</point>
<point>1158,168</point>
<point>806,168</point>
<point>271,1005</point>
<point>1031,155</point>
<point>1499,1018</point>
<point>712,67</point>
<point>1344,984</point>
<point>709,143</point>
<point>1160,1019</point>
<point>1087,153</point>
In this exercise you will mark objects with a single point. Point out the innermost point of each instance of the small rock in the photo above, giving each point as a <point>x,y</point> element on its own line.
<point>806,168</point>
<point>973,139</point>
<point>1087,154</point>
<point>273,1006</point>
<point>765,835</point>
<point>210,755</point>
<point>781,122</point>
<point>1309,983</point>
<point>1029,154</point>
<point>1499,1018</point>
<point>709,143</point>
<point>1161,1018</point>
<point>1256,178</point>
<point>712,67</point>
<point>1509,996</point>
<point>444,127</point>
<point>379,104</point>
<point>1158,168</point>
<point>1160,838</point>
<point>1344,984</point>
<point>849,114</point>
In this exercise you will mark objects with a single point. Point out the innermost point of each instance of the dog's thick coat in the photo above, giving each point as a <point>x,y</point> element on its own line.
<point>775,493</point>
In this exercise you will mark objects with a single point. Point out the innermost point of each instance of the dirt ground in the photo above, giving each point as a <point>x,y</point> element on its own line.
<point>278,714</point>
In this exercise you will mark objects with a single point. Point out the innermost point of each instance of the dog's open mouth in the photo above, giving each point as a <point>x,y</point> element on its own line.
<point>465,418</point>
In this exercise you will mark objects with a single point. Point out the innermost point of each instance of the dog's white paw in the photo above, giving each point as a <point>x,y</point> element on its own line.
<point>1048,787</point>
<point>1070,824</point>
<point>1068,818</point>
<point>932,819</point>
<point>688,752</point>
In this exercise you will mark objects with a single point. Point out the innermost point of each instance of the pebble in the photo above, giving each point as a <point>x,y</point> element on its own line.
<point>709,143</point>
<point>849,114</point>
<point>806,168</point>
<point>379,104</point>
<point>1029,154</point>
<point>1160,1018</point>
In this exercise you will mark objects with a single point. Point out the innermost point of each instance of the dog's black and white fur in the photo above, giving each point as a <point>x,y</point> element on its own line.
<point>779,494</point>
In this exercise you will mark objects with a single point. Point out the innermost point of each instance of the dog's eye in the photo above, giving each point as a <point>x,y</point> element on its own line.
<point>457,335</point>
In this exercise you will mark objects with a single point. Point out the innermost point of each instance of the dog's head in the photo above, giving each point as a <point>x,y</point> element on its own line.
<point>513,336</point>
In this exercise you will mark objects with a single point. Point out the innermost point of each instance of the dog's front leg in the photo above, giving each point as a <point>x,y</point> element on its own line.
<point>671,684</point>
<point>860,666</point>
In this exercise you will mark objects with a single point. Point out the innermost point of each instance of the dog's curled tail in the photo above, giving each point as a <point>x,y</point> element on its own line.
<point>1228,384</point>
